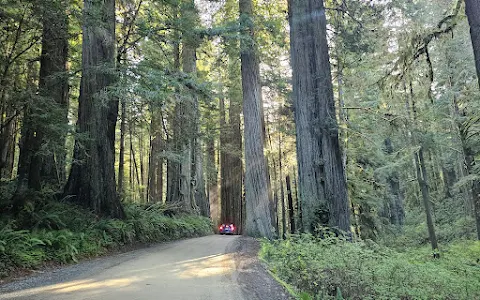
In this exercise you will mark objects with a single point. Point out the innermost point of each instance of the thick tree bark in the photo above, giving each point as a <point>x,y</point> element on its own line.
<point>472,9</point>
<point>258,219</point>
<point>185,119</point>
<point>198,179</point>
<point>92,177</point>
<point>201,199</point>
<point>231,161</point>
<point>322,186</point>
<point>173,165</point>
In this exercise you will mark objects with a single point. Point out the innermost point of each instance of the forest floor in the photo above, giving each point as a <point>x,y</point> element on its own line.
<point>211,267</point>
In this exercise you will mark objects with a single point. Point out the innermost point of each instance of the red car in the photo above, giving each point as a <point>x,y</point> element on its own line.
<point>227,229</point>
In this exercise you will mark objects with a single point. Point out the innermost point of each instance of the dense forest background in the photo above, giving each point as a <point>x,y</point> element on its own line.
<point>343,117</point>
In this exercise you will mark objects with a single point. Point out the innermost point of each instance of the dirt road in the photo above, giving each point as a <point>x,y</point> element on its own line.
<point>212,267</point>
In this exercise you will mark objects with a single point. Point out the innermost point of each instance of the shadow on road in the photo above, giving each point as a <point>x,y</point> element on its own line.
<point>191,269</point>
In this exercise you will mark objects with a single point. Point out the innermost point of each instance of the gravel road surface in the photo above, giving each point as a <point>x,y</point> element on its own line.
<point>212,267</point>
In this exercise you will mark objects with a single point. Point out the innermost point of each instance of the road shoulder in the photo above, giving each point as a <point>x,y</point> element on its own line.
<point>252,275</point>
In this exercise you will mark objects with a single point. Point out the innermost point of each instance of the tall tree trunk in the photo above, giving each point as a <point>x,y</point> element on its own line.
<point>274,205</point>
<point>232,138</point>
<point>155,169</point>
<point>470,164</point>
<point>29,160</point>
<point>121,160</point>
<point>231,172</point>
<point>212,182</point>
<point>92,182</point>
<point>8,137</point>
<point>132,160</point>
<point>141,160</point>
<point>322,186</point>
<point>421,171</point>
<point>186,114</point>
<point>235,167</point>
<point>54,85</point>
<point>200,194</point>
<point>275,200</point>
<point>224,160</point>
<point>258,219</point>
<point>291,208</point>
<point>282,191</point>
<point>173,165</point>
<point>423,183</point>
<point>397,212</point>
<point>182,171</point>
<point>472,9</point>
<point>299,222</point>
<point>35,168</point>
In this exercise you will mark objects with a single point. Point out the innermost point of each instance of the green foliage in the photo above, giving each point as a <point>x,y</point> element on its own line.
<point>18,248</point>
<point>64,233</point>
<point>334,268</point>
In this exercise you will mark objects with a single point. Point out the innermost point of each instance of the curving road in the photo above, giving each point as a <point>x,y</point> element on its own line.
<point>212,267</point>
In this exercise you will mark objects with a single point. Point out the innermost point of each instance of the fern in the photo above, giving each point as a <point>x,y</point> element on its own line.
<point>65,233</point>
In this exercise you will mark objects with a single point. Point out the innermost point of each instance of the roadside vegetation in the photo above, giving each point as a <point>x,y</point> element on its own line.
<point>334,268</point>
<point>48,232</point>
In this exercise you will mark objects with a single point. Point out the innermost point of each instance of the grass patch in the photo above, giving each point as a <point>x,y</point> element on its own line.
<point>336,269</point>
<point>64,233</point>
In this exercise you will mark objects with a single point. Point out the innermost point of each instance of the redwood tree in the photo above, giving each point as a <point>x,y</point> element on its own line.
<point>92,177</point>
<point>472,8</point>
<point>322,186</point>
<point>258,219</point>
<point>231,142</point>
<point>42,146</point>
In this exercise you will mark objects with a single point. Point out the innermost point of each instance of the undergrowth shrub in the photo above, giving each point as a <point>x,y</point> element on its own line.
<point>63,233</point>
<point>450,225</point>
<point>18,248</point>
<point>333,268</point>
